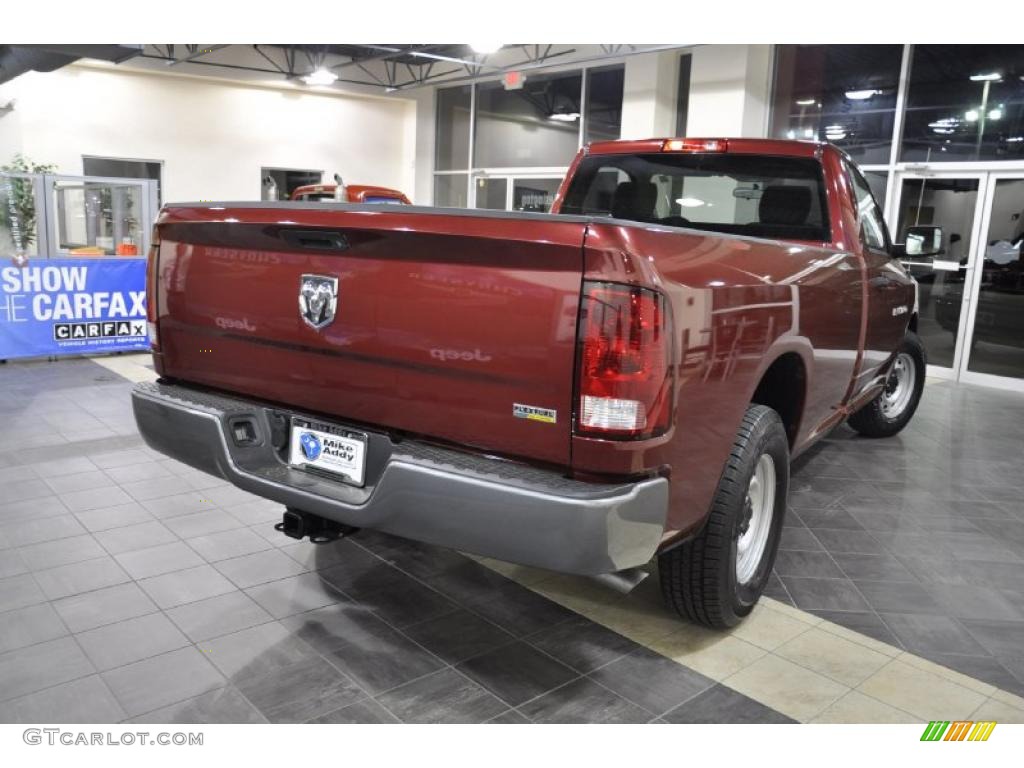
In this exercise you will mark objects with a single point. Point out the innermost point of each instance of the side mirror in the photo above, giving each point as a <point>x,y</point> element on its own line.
<point>923,241</point>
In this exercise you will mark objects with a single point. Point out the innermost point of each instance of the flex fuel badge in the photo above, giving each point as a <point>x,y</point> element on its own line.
<point>533,413</point>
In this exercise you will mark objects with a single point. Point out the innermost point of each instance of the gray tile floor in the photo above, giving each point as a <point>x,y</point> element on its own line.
<point>135,588</point>
<point>918,540</point>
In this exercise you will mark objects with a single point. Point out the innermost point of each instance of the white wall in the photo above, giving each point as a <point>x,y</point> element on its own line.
<point>729,90</point>
<point>212,137</point>
<point>649,95</point>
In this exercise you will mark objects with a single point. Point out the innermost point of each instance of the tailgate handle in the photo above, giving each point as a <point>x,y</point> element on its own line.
<point>316,239</point>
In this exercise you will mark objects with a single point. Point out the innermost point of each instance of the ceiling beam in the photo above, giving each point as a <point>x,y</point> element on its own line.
<point>243,68</point>
<point>197,53</point>
<point>385,54</point>
<point>542,62</point>
<point>273,63</point>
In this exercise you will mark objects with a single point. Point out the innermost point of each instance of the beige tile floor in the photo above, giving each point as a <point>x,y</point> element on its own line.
<point>803,666</point>
<point>132,367</point>
<point>794,662</point>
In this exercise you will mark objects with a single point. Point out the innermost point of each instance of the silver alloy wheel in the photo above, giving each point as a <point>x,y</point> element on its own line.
<point>899,388</point>
<point>752,542</point>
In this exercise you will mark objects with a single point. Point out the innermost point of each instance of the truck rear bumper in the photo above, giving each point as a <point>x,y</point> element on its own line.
<point>482,505</point>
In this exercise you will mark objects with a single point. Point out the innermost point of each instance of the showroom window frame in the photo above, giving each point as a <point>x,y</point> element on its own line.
<point>988,172</point>
<point>472,173</point>
<point>895,166</point>
<point>159,180</point>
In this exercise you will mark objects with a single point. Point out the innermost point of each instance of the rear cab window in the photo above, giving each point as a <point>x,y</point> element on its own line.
<point>774,197</point>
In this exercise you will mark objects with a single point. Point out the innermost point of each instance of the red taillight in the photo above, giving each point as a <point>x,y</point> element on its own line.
<point>152,260</point>
<point>695,145</point>
<point>625,362</point>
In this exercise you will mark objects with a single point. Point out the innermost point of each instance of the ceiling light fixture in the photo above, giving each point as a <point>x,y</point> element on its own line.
<point>986,76</point>
<point>804,102</point>
<point>320,77</point>
<point>689,202</point>
<point>565,117</point>
<point>835,132</point>
<point>486,48</point>
<point>995,114</point>
<point>863,94</point>
<point>971,115</point>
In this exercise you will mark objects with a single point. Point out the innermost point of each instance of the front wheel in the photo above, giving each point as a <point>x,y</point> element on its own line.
<point>716,578</point>
<point>894,407</point>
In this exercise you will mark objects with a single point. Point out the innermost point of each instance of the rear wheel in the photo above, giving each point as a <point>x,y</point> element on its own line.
<point>717,577</point>
<point>894,407</point>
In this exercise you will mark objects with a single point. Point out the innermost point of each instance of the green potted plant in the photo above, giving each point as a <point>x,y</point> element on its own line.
<point>18,212</point>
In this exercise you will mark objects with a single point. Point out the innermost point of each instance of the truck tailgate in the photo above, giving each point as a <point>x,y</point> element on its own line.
<point>444,322</point>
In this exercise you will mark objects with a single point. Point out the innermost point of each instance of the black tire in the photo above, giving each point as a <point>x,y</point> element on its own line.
<point>699,578</point>
<point>874,419</point>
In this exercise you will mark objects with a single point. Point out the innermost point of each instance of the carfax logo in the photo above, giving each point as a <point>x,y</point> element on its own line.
<point>107,330</point>
<point>960,730</point>
<point>311,446</point>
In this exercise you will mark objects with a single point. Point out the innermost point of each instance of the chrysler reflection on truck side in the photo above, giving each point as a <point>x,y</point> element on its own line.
<point>627,377</point>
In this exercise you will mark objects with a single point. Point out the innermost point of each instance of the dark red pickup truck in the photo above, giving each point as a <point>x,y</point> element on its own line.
<point>582,391</point>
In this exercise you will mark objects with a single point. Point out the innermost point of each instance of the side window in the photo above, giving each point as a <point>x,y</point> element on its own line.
<point>870,215</point>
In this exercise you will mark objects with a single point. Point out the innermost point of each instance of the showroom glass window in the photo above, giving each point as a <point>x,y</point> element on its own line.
<point>604,104</point>
<point>535,126</point>
<point>514,151</point>
<point>454,111</point>
<point>453,117</point>
<point>450,190</point>
<point>844,94</point>
<point>125,169</point>
<point>964,102</point>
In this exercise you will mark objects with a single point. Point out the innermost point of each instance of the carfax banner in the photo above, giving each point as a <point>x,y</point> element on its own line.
<point>72,307</point>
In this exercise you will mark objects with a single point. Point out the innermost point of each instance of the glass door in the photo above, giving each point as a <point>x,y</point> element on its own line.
<point>534,194</point>
<point>945,209</point>
<point>519,192</point>
<point>995,354</point>
<point>491,192</point>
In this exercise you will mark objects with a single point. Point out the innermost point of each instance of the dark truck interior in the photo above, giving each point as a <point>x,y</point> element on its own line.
<point>772,197</point>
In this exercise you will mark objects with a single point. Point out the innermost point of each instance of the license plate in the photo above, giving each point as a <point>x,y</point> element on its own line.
<point>328,448</point>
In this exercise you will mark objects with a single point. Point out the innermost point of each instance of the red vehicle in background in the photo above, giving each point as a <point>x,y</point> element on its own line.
<point>351,193</point>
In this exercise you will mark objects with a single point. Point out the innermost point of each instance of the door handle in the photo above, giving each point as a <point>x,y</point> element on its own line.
<point>315,239</point>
